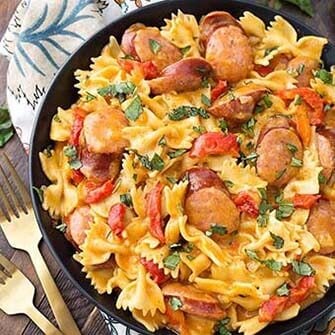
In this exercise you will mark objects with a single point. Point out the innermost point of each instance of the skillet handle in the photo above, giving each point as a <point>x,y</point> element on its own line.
<point>329,331</point>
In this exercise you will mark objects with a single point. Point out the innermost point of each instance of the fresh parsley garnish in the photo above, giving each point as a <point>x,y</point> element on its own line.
<point>61,227</point>
<point>267,101</point>
<point>199,129</point>
<point>134,110</point>
<point>175,303</point>
<point>221,327</point>
<point>285,208</point>
<point>302,268</point>
<point>216,229</point>
<point>126,199</point>
<point>6,127</point>
<point>205,100</point>
<point>184,112</point>
<point>48,151</point>
<point>223,125</point>
<point>322,178</point>
<point>156,162</point>
<point>89,97</point>
<point>325,76</point>
<point>278,242</point>
<point>269,50</point>
<point>56,118</point>
<point>120,90</point>
<point>176,153</point>
<point>228,183</point>
<point>292,148</point>
<point>298,100</point>
<point>269,263</point>
<point>70,151</point>
<point>295,162</point>
<point>162,141</point>
<point>283,291</point>
<point>280,173</point>
<point>248,127</point>
<point>172,261</point>
<point>39,192</point>
<point>155,46</point>
<point>172,180</point>
<point>185,50</point>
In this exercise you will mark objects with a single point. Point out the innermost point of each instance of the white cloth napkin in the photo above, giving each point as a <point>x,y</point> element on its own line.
<point>40,37</point>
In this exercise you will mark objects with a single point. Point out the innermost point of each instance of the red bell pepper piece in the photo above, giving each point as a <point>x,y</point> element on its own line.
<point>77,126</point>
<point>215,144</point>
<point>149,69</point>
<point>96,192</point>
<point>247,204</point>
<point>263,70</point>
<point>116,218</point>
<point>154,212</point>
<point>156,273</point>
<point>275,305</point>
<point>316,114</point>
<point>306,201</point>
<point>219,89</point>
<point>77,177</point>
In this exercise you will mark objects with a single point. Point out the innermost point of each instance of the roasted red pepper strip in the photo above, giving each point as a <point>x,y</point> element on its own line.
<point>215,144</point>
<point>176,319</point>
<point>219,89</point>
<point>77,176</point>
<point>154,212</point>
<point>247,204</point>
<point>317,114</point>
<point>156,273</point>
<point>149,69</point>
<point>275,305</point>
<point>77,126</point>
<point>96,192</point>
<point>116,218</point>
<point>306,201</point>
<point>263,70</point>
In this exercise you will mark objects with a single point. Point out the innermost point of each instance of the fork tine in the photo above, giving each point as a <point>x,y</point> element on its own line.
<point>3,277</point>
<point>11,191</point>
<point>18,183</point>
<point>6,206</point>
<point>7,265</point>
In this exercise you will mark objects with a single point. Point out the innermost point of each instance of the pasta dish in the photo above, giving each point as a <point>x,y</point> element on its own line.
<point>195,174</point>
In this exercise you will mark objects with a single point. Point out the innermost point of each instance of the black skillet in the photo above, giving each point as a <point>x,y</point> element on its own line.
<point>63,93</point>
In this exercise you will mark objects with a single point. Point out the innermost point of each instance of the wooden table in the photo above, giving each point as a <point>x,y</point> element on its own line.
<point>86,315</point>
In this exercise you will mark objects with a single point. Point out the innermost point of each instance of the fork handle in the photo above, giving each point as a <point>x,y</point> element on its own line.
<point>41,321</point>
<point>62,314</point>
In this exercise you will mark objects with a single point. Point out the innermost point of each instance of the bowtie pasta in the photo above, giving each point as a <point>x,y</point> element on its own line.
<point>196,173</point>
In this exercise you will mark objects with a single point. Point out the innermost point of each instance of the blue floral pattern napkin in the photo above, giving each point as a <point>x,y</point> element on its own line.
<point>41,35</point>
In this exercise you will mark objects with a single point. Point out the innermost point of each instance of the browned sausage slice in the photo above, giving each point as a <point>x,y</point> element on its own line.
<point>230,53</point>
<point>237,106</point>
<point>127,42</point>
<point>99,167</point>
<point>150,45</point>
<point>302,67</point>
<point>276,163</point>
<point>212,22</point>
<point>185,75</point>
<point>326,150</point>
<point>195,301</point>
<point>321,223</point>
<point>208,202</point>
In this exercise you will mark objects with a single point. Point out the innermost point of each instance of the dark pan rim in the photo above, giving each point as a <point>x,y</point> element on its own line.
<point>106,30</point>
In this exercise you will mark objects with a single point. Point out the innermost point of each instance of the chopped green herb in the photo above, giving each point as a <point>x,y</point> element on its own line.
<point>175,303</point>
<point>61,227</point>
<point>172,180</point>
<point>300,69</point>
<point>155,46</point>
<point>120,90</point>
<point>267,101</point>
<point>278,242</point>
<point>202,70</point>
<point>284,210</point>
<point>231,95</point>
<point>6,127</point>
<point>205,83</point>
<point>273,265</point>
<point>90,97</point>
<point>268,51</point>
<point>248,127</point>
<point>223,125</point>
<point>126,199</point>
<point>199,129</point>
<point>325,76</point>
<point>135,176</point>
<point>283,291</point>
<point>327,108</point>
<point>39,192</point>
<point>56,118</point>
<point>295,162</point>
<point>184,112</point>
<point>251,158</point>
<point>292,148</point>
<point>176,153</point>
<point>172,261</point>
<point>205,100</point>
<point>48,151</point>
<point>157,163</point>
<point>70,151</point>
<point>190,257</point>
<point>302,268</point>
<point>259,108</point>
<point>298,100</point>
<point>252,254</point>
<point>162,141</point>
<point>250,145</point>
<point>322,178</point>
<point>263,194</point>
<point>134,110</point>
<point>185,50</point>
<point>128,57</point>
<point>280,173</point>
<point>228,183</point>
<point>216,229</point>
<point>221,327</point>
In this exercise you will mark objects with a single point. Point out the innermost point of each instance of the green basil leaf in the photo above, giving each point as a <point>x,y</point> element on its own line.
<point>70,151</point>
<point>171,261</point>
<point>216,229</point>
<point>157,163</point>
<point>252,254</point>
<point>228,183</point>
<point>223,125</point>
<point>298,100</point>
<point>248,127</point>
<point>322,178</point>
<point>280,173</point>
<point>283,291</point>
<point>267,101</point>
<point>199,129</point>
<point>284,210</point>
<point>176,153</point>
<point>90,97</point>
<point>268,51</point>
<point>302,268</point>
<point>185,50</point>
<point>184,112</point>
<point>162,141</point>
<point>175,303</point>
<point>292,148</point>
<point>205,100</point>
<point>278,242</point>
<point>221,327</point>
<point>295,162</point>
<point>325,76</point>
<point>126,199</point>
<point>155,46</point>
<point>134,110</point>
<point>172,180</point>
<point>273,265</point>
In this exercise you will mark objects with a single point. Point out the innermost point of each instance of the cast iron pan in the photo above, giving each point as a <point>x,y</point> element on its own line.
<point>62,93</point>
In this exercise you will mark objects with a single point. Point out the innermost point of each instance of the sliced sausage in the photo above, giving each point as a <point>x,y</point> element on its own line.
<point>165,53</point>
<point>326,150</point>
<point>213,21</point>
<point>195,301</point>
<point>103,131</point>
<point>302,67</point>
<point>275,159</point>
<point>110,264</point>
<point>237,106</point>
<point>275,122</point>
<point>185,75</point>
<point>127,42</point>
<point>230,53</point>
<point>77,223</point>
<point>321,223</point>
<point>99,167</point>
<point>206,190</point>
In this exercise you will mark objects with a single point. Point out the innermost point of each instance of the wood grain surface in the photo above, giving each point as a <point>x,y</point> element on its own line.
<point>86,315</point>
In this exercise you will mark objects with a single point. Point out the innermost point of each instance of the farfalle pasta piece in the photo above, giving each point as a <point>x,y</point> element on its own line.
<point>196,325</point>
<point>197,264</point>
<point>142,294</point>
<point>252,25</point>
<point>173,198</point>
<point>61,125</point>
<point>100,279</point>
<point>183,31</point>
<point>327,91</point>
<point>60,198</point>
<point>151,322</point>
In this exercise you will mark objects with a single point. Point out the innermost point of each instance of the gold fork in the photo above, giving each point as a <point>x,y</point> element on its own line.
<point>18,222</point>
<point>17,294</point>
